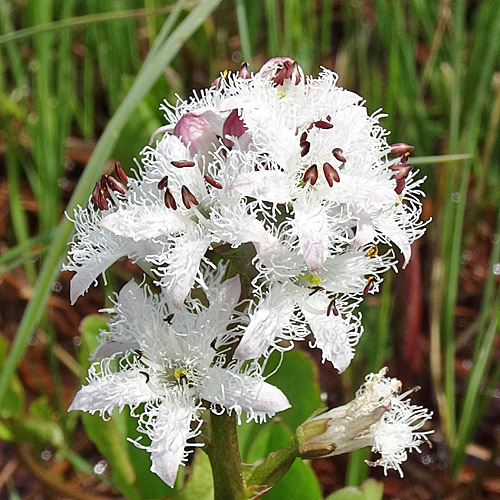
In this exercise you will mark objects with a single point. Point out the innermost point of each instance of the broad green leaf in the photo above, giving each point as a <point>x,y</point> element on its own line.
<point>199,486</point>
<point>298,379</point>
<point>369,490</point>
<point>112,443</point>
<point>271,437</point>
<point>110,437</point>
<point>300,481</point>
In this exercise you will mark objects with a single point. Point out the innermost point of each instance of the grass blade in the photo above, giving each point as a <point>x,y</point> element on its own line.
<point>148,75</point>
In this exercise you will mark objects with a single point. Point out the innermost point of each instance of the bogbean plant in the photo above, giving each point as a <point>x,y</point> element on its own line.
<point>262,213</point>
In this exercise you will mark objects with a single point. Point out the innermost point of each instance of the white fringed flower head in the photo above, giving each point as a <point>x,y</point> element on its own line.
<point>379,417</point>
<point>293,165</point>
<point>173,363</point>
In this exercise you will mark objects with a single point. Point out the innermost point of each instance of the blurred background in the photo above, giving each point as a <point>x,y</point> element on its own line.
<point>80,86</point>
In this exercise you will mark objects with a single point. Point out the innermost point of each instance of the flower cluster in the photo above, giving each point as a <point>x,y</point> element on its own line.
<point>290,171</point>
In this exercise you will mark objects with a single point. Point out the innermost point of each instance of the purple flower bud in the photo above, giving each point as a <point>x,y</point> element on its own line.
<point>196,133</point>
<point>233,126</point>
<point>284,71</point>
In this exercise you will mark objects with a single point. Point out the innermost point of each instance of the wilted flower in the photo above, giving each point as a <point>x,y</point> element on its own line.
<point>173,364</point>
<point>379,417</point>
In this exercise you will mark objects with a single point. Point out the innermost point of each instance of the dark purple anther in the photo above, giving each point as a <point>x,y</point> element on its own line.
<point>369,285</point>
<point>188,198</point>
<point>120,173</point>
<point>305,146</point>
<point>322,124</point>
<point>183,163</point>
<point>213,182</point>
<point>401,170</point>
<point>311,175</point>
<point>170,200</point>
<point>400,185</point>
<point>115,185</point>
<point>163,183</point>
<point>233,126</point>
<point>401,148</point>
<point>332,308</point>
<point>339,155</point>
<point>331,174</point>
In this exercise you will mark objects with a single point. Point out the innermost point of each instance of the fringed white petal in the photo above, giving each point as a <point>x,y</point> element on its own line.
<point>107,390</point>
<point>310,224</point>
<point>264,185</point>
<point>142,222</point>
<point>237,392</point>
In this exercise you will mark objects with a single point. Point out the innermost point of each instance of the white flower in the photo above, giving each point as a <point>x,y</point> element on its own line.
<point>172,363</point>
<point>379,417</point>
<point>293,165</point>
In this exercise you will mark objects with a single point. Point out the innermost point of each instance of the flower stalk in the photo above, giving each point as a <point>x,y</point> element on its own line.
<point>224,455</point>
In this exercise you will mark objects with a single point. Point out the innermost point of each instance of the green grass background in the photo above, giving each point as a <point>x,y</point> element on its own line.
<point>96,71</point>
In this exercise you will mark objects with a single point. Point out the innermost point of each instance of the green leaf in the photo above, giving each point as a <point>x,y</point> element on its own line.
<point>110,436</point>
<point>200,483</point>
<point>41,408</point>
<point>14,398</point>
<point>112,443</point>
<point>33,430</point>
<point>300,481</point>
<point>369,490</point>
<point>90,328</point>
<point>270,438</point>
<point>298,379</point>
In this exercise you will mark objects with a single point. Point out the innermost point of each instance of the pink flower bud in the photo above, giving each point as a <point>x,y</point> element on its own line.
<point>196,133</point>
<point>233,126</point>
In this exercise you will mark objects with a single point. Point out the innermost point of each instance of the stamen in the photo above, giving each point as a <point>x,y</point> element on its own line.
<point>369,285</point>
<point>311,175</point>
<point>188,198</point>
<point>213,182</point>
<point>163,183</point>
<point>120,173</point>
<point>332,307</point>
<point>339,155</point>
<point>401,148</point>
<point>146,374</point>
<point>243,72</point>
<point>373,252</point>
<point>96,192</point>
<point>102,202</point>
<point>322,124</point>
<point>169,319</point>
<point>331,174</point>
<point>303,138</point>
<point>183,163</point>
<point>180,374</point>
<point>402,170</point>
<point>115,185</point>
<point>400,185</point>
<point>139,353</point>
<point>305,145</point>
<point>170,200</point>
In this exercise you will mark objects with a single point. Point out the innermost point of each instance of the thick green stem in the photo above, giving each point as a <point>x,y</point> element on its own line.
<point>225,458</point>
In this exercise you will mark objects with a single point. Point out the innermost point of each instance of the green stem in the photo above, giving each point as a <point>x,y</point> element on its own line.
<point>224,456</point>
